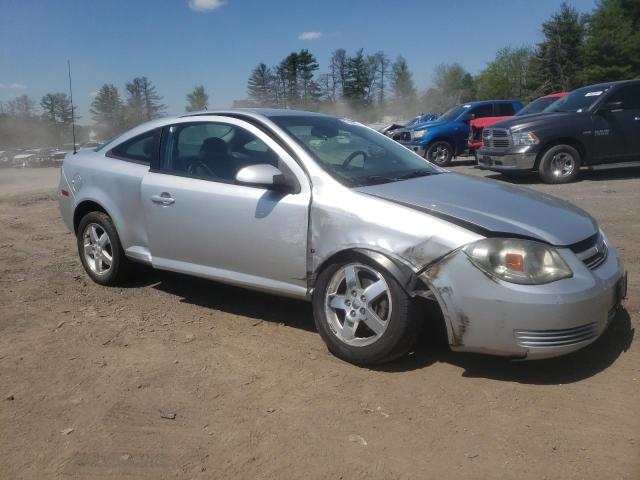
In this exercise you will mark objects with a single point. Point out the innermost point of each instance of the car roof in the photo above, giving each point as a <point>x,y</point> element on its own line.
<point>263,112</point>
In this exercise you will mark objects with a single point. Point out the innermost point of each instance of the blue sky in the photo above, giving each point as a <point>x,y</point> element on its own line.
<point>182,43</point>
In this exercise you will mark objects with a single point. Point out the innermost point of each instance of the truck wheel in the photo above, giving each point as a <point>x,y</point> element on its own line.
<point>440,153</point>
<point>101,253</point>
<point>560,164</point>
<point>362,313</point>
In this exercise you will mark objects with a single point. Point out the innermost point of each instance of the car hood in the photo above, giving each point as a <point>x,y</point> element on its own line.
<point>490,207</point>
<point>533,120</point>
<point>420,126</point>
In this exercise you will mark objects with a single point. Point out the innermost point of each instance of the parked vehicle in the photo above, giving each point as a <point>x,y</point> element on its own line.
<point>271,200</point>
<point>479,124</point>
<point>597,126</point>
<point>422,118</point>
<point>441,140</point>
<point>24,159</point>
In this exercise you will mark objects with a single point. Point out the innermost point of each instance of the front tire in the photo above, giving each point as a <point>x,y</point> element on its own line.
<point>440,153</point>
<point>100,251</point>
<point>560,164</point>
<point>362,313</point>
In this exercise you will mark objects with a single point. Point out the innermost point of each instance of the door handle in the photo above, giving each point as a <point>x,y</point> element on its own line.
<point>163,199</point>
<point>637,119</point>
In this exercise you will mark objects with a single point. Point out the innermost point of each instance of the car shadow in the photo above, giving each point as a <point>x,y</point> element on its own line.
<point>430,348</point>
<point>229,299</point>
<point>585,176</point>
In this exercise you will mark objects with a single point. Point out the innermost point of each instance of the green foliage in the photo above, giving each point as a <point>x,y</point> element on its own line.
<point>508,76</point>
<point>143,102</point>
<point>402,82</point>
<point>611,50</point>
<point>197,99</point>
<point>261,87</point>
<point>452,84</point>
<point>107,110</point>
<point>558,55</point>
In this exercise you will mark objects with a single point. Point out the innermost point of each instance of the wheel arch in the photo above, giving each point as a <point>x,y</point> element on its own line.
<point>85,207</point>
<point>403,274</point>
<point>572,142</point>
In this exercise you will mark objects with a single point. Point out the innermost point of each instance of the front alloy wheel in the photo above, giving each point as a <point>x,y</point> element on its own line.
<point>98,252</point>
<point>358,305</point>
<point>362,313</point>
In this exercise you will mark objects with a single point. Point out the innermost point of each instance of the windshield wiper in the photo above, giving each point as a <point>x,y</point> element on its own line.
<point>373,180</point>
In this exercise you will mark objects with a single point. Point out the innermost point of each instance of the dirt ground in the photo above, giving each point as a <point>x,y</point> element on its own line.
<point>86,373</point>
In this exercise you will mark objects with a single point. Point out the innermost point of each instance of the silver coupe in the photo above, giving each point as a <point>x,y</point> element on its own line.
<point>321,208</point>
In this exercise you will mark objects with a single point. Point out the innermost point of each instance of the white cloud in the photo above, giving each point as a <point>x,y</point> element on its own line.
<point>12,86</point>
<point>309,35</point>
<point>206,5</point>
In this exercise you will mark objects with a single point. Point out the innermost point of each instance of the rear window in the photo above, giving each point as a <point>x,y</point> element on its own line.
<point>139,149</point>
<point>505,110</point>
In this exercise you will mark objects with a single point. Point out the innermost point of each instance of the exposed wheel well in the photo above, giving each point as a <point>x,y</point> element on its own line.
<point>572,142</point>
<point>82,209</point>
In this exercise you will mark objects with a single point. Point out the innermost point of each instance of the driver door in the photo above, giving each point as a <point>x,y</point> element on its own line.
<point>201,221</point>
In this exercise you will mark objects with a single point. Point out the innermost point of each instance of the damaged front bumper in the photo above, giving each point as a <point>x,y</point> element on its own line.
<point>486,315</point>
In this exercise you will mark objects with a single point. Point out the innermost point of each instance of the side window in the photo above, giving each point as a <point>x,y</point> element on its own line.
<point>141,149</point>
<point>505,110</point>
<point>212,151</point>
<point>482,111</point>
<point>629,95</point>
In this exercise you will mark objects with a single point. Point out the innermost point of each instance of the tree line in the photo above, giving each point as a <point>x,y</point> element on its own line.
<point>575,49</point>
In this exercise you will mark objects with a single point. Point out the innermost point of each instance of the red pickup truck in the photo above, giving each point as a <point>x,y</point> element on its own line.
<point>536,106</point>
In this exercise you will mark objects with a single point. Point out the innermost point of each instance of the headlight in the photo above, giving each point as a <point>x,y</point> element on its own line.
<point>524,138</point>
<point>417,134</point>
<point>518,261</point>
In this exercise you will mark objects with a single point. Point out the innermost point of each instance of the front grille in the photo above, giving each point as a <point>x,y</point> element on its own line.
<point>556,338</point>
<point>496,138</point>
<point>592,251</point>
<point>402,136</point>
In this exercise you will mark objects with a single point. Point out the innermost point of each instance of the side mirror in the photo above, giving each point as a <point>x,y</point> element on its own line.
<point>468,117</point>
<point>610,107</point>
<point>265,176</point>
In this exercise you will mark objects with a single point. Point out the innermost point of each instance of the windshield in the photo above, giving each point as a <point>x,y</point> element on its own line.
<point>453,113</point>
<point>579,100</point>
<point>353,154</point>
<point>537,106</point>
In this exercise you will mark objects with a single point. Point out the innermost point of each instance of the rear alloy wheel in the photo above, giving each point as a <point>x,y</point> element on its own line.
<point>100,251</point>
<point>362,314</point>
<point>440,153</point>
<point>560,164</point>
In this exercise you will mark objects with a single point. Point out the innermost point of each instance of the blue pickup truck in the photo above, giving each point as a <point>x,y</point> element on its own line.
<point>442,139</point>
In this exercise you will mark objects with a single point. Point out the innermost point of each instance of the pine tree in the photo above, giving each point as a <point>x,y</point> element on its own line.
<point>107,110</point>
<point>308,88</point>
<point>261,86</point>
<point>143,101</point>
<point>559,60</point>
<point>611,50</point>
<point>402,82</point>
<point>198,99</point>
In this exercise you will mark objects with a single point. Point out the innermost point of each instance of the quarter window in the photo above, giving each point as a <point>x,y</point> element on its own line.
<point>141,149</point>
<point>212,151</point>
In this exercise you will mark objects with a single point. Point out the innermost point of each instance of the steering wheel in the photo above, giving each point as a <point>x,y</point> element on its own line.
<point>193,168</point>
<point>353,155</point>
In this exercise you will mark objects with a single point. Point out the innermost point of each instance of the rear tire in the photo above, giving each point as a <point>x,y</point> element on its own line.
<point>342,312</point>
<point>440,153</point>
<point>100,251</point>
<point>560,164</point>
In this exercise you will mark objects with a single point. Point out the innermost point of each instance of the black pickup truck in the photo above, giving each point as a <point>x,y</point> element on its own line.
<point>596,127</point>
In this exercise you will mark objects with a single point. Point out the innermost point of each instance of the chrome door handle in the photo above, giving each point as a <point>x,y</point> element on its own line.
<point>163,199</point>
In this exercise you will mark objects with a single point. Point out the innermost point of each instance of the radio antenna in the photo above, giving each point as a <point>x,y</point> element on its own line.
<point>73,120</point>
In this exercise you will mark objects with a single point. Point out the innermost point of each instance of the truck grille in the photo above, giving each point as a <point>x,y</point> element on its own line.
<point>556,338</point>
<point>496,138</point>
<point>592,251</point>
<point>402,136</point>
